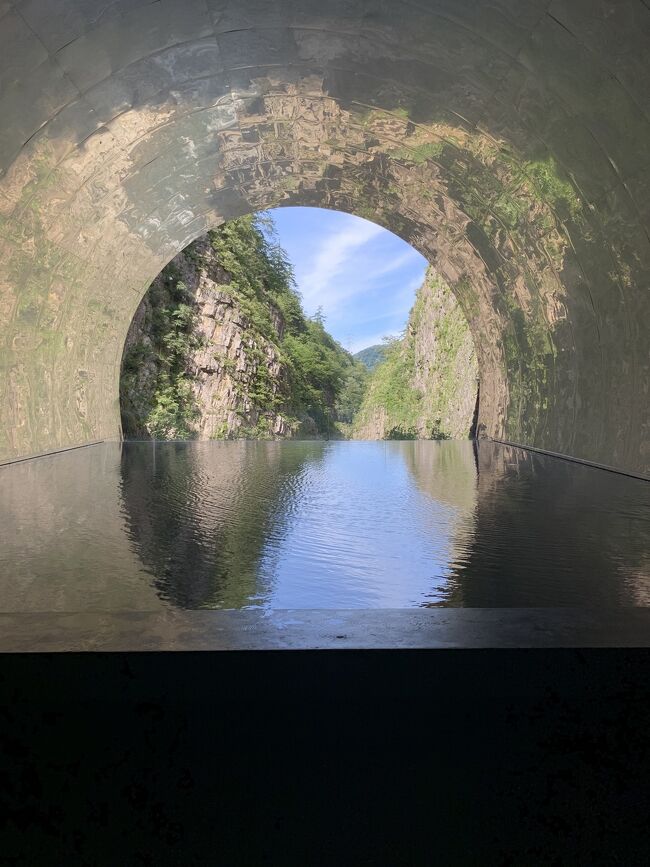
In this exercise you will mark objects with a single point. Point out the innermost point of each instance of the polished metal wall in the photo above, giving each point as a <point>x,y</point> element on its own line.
<point>506,140</point>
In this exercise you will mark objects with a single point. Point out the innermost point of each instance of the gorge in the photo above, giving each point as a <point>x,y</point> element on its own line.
<point>220,348</point>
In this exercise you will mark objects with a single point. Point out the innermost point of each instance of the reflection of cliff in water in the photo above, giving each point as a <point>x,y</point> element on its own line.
<point>313,524</point>
<point>548,532</point>
<point>62,542</point>
<point>446,471</point>
<point>199,514</point>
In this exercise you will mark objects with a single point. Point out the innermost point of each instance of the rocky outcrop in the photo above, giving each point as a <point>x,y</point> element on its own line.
<point>225,367</point>
<point>225,362</point>
<point>427,386</point>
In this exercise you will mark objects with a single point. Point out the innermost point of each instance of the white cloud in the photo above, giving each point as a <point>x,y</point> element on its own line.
<point>395,264</point>
<point>397,304</point>
<point>406,294</point>
<point>330,261</point>
<point>393,315</point>
<point>364,277</point>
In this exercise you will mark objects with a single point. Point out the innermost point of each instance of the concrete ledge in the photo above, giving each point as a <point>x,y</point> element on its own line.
<point>399,629</point>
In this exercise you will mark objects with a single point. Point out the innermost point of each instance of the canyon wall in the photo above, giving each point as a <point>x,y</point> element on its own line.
<point>427,386</point>
<point>221,365</point>
<point>220,348</point>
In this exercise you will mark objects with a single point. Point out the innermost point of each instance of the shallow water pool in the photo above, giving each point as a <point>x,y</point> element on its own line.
<point>277,525</point>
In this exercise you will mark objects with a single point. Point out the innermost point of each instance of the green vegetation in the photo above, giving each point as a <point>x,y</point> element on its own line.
<point>171,409</point>
<point>318,383</point>
<point>268,370</point>
<point>405,401</point>
<point>319,369</point>
<point>371,356</point>
<point>392,390</point>
<point>262,281</point>
<point>419,154</point>
<point>353,392</point>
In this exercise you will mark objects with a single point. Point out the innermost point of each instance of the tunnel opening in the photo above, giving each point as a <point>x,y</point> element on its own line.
<point>242,337</point>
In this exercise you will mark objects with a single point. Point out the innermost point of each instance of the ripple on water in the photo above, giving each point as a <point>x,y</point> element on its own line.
<point>318,525</point>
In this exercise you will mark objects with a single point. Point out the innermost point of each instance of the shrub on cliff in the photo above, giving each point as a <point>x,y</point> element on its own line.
<point>317,378</point>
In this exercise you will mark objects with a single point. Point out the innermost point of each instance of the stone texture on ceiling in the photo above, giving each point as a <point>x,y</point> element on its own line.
<point>506,140</point>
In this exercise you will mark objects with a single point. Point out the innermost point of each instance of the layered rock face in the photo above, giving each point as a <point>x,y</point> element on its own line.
<point>427,387</point>
<point>224,357</point>
<point>446,370</point>
<point>225,368</point>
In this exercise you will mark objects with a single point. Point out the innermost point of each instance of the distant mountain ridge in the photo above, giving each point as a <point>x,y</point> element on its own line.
<point>371,356</point>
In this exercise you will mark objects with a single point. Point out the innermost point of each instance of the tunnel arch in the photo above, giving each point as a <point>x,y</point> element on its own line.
<point>505,141</point>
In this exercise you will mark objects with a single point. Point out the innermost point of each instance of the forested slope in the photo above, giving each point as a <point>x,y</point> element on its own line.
<point>426,387</point>
<point>220,348</point>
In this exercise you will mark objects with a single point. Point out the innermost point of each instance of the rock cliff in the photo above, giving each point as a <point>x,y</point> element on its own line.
<point>427,386</point>
<point>220,348</point>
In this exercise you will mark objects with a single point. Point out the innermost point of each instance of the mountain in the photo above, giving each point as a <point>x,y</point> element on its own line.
<point>220,348</point>
<point>371,356</point>
<point>426,387</point>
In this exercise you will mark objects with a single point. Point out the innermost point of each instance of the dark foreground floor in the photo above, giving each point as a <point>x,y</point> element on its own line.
<point>450,757</point>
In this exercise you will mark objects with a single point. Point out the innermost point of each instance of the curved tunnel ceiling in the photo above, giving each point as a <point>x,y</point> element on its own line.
<point>507,140</point>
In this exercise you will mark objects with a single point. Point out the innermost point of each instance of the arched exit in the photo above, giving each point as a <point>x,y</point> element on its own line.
<point>505,143</point>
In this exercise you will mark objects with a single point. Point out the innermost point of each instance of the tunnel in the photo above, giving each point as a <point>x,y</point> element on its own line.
<point>505,140</point>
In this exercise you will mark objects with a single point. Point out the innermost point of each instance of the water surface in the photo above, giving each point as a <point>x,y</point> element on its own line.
<point>318,525</point>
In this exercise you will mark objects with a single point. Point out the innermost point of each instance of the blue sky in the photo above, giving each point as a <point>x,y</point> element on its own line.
<point>363,276</point>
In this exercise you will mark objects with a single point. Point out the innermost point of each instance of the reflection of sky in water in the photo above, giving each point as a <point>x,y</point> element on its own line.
<point>333,550</point>
<point>322,525</point>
